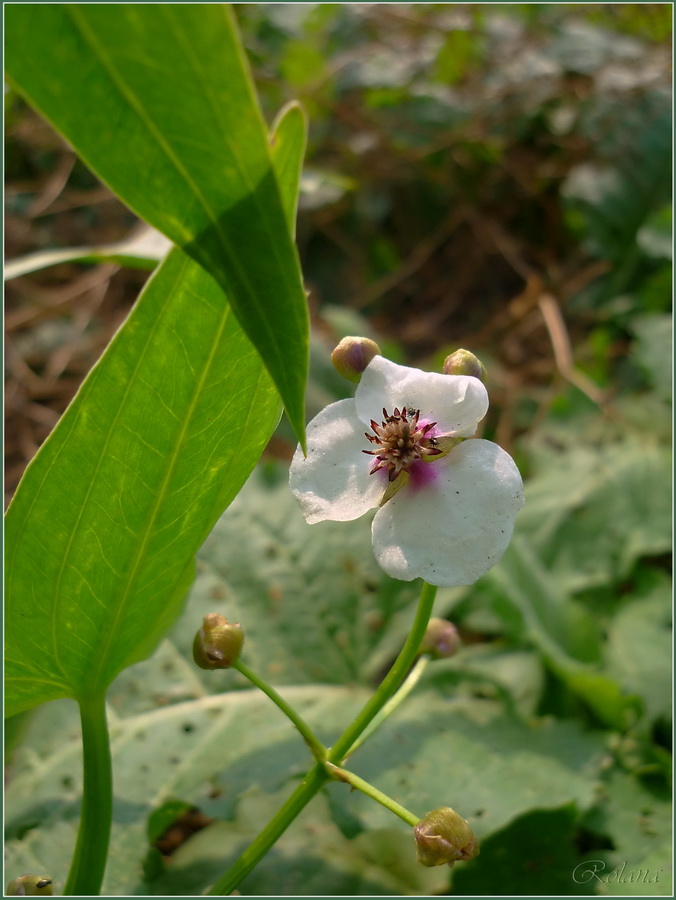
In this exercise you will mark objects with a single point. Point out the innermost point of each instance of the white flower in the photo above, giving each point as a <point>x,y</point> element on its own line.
<point>446,506</point>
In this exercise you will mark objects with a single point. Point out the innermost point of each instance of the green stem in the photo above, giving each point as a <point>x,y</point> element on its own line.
<point>394,678</point>
<point>317,748</point>
<point>91,850</point>
<point>317,777</point>
<point>366,788</point>
<point>272,832</point>
<point>392,704</point>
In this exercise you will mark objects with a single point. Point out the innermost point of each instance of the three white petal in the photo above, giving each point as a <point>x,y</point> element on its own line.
<point>449,529</point>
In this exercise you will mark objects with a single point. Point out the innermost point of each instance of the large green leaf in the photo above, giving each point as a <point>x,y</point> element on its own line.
<point>103,530</point>
<point>146,247</point>
<point>158,101</point>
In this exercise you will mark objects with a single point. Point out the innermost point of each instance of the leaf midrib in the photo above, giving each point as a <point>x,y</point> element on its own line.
<point>179,440</point>
<point>130,97</point>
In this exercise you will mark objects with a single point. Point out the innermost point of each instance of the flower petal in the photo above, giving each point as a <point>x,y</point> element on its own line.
<point>457,402</point>
<point>452,530</point>
<point>333,481</point>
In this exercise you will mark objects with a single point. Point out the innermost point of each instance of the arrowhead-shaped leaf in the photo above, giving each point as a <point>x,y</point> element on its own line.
<point>101,535</point>
<point>158,101</point>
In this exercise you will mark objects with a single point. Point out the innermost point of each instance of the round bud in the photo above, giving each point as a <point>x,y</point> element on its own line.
<point>441,639</point>
<point>30,885</point>
<point>218,643</point>
<point>444,837</point>
<point>352,355</point>
<point>462,362</point>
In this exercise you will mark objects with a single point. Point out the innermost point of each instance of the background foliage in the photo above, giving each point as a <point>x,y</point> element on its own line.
<point>490,177</point>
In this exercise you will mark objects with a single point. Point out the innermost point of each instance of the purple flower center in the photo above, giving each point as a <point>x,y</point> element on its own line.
<point>400,441</point>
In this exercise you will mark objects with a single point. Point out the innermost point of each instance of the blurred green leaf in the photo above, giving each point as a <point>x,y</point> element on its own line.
<point>302,65</point>
<point>593,511</point>
<point>537,851</point>
<point>486,670</point>
<point>638,821</point>
<point>616,197</point>
<point>166,115</point>
<point>142,250</point>
<point>288,140</point>
<point>460,52</point>
<point>103,529</point>
<point>560,631</point>
<point>656,237</point>
<point>653,350</point>
<point>639,648</point>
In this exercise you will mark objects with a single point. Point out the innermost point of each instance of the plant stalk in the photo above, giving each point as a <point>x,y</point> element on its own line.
<point>91,850</point>
<point>315,745</point>
<point>392,704</point>
<point>392,681</point>
<point>318,776</point>
<point>272,832</point>
<point>367,788</point>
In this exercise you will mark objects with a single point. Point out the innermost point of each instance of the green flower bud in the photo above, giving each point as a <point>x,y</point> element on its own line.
<point>352,355</point>
<point>30,885</point>
<point>442,836</point>
<point>462,362</point>
<point>218,643</point>
<point>441,639</point>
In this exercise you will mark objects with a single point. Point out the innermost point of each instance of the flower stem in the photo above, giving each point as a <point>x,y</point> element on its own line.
<point>318,776</point>
<point>315,745</point>
<point>272,831</point>
<point>366,788</point>
<point>392,681</point>
<point>392,704</point>
<point>91,850</point>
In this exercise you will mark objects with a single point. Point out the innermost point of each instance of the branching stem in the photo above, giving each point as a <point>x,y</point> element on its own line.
<point>367,788</point>
<point>392,704</point>
<point>318,776</point>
